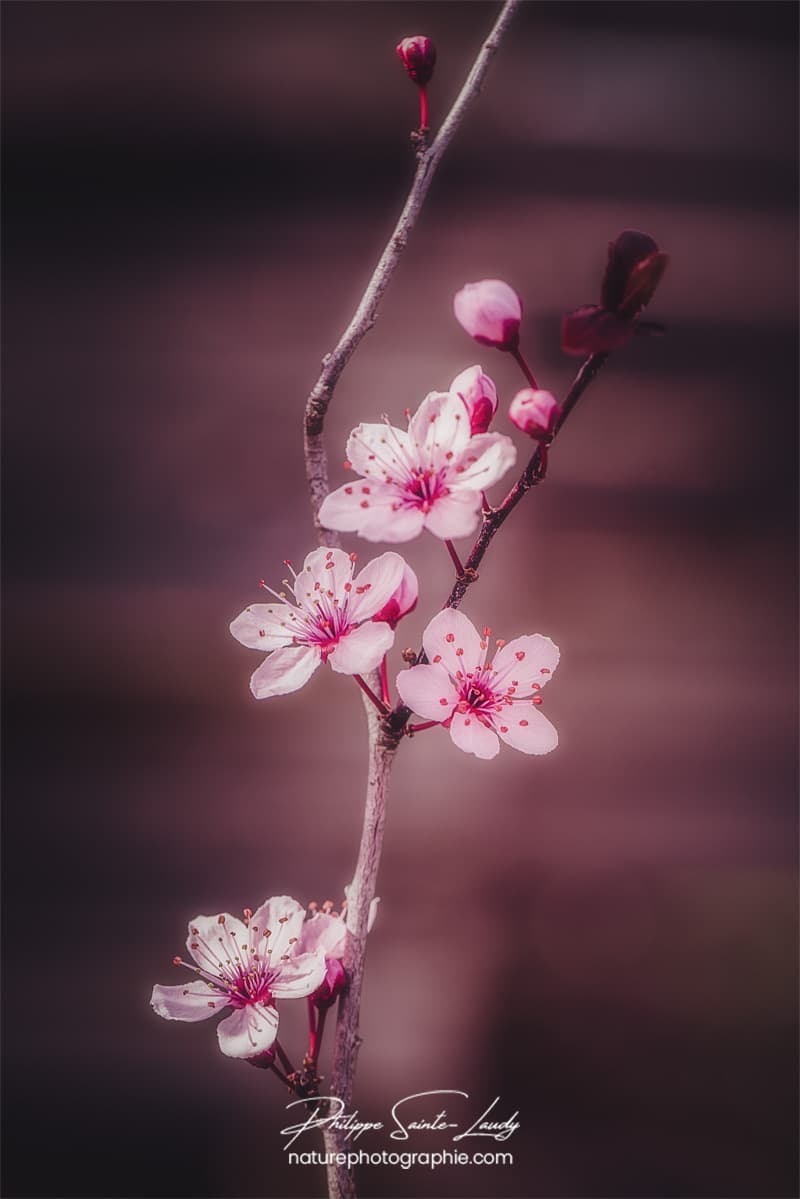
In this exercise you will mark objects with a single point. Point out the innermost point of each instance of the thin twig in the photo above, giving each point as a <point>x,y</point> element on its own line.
<point>365,315</point>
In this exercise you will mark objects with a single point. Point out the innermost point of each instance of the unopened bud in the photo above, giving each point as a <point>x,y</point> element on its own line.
<point>418,56</point>
<point>479,395</point>
<point>491,312</point>
<point>535,413</point>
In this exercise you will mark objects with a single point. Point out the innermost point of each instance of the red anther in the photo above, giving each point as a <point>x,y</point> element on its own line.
<point>220,919</point>
<point>365,491</point>
<point>545,670</point>
<point>348,586</point>
<point>438,658</point>
<point>262,632</point>
<point>523,724</point>
<point>407,413</point>
<point>176,961</point>
<point>500,643</point>
<point>364,504</point>
<point>329,555</point>
<point>261,583</point>
<point>444,702</point>
<point>537,699</point>
<point>348,490</point>
<point>353,557</point>
<point>348,465</point>
<point>459,652</point>
<point>450,637</point>
<point>487,632</point>
<point>286,562</point>
<point>503,728</point>
<point>520,654</point>
<point>195,932</point>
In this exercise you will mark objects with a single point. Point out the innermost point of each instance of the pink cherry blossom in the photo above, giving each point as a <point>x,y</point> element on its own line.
<point>491,312</point>
<point>479,395</point>
<point>326,930</point>
<point>430,477</point>
<point>331,620</point>
<point>479,700</point>
<point>245,966</point>
<point>534,412</point>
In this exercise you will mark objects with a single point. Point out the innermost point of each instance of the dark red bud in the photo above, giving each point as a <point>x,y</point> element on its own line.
<point>592,330</point>
<point>418,55</point>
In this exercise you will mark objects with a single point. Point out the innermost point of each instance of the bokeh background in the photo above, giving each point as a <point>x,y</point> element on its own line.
<point>195,195</point>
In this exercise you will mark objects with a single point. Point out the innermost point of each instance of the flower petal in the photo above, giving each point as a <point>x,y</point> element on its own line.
<point>526,729</point>
<point>299,976</point>
<point>484,460</point>
<point>285,671</point>
<point>274,924</point>
<point>323,570</point>
<point>454,515</point>
<point>447,633</point>
<point>193,1001</point>
<point>265,626</point>
<point>213,940</point>
<point>380,514</point>
<point>362,649</point>
<point>248,1031</point>
<point>529,660</point>
<point>325,932</point>
<point>473,737</point>
<point>439,427</point>
<point>379,452</point>
<point>423,688</point>
<point>374,586</point>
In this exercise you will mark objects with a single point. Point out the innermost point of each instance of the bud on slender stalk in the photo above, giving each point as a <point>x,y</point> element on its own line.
<point>418,56</point>
<point>535,413</point>
<point>479,395</point>
<point>491,312</point>
<point>402,600</point>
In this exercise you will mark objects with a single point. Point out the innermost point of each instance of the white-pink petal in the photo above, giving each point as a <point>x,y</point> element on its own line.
<point>212,940</point>
<point>439,427</point>
<point>285,671</point>
<point>374,586</point>
<point>362,649</point>
<point>248,1031</point>
<point>376,451</point>
<point>265,626</point>
<point>454,515</point>
<point>324,569</point>
<point>428,691</point>
<point>527,729</point>
<point>325,932</point>
<point>528,661</point>
<point>193,1001</point>
<point>299,976</point>
<point>473,737</point>
<point>484,461</point>
<point>377,514</point>
<point>275,923</point>
<point>449,632</point>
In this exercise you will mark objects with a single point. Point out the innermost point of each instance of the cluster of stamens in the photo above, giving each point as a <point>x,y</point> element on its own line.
<point>320,619</point>
<point>245,978</point>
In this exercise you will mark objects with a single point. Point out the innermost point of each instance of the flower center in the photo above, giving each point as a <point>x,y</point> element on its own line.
<point>424,488</point>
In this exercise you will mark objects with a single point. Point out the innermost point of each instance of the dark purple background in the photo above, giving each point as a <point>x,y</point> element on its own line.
<point>194,197</point>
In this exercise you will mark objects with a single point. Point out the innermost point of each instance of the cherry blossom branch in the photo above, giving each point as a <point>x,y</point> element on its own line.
<point>494,518</point>
<point>366,313</point>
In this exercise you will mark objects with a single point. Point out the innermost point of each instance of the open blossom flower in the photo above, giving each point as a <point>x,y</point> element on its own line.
<point>331,621</point>
<point>491,312</point>
<point>430,477</point>
<point>245,966</point>
<point>326,930</point>
<point>479,395</point>
<point>477,699</point>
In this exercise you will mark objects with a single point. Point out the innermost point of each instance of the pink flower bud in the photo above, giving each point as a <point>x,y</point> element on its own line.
<point>479,395</point>
<point>402,600</point>
<point>418,55</point>
<point>534,412</point>
<point>592,330</point>
<point>491,312</point>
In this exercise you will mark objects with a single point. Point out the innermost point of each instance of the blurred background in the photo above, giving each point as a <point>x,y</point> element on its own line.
<point>195,195</point>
